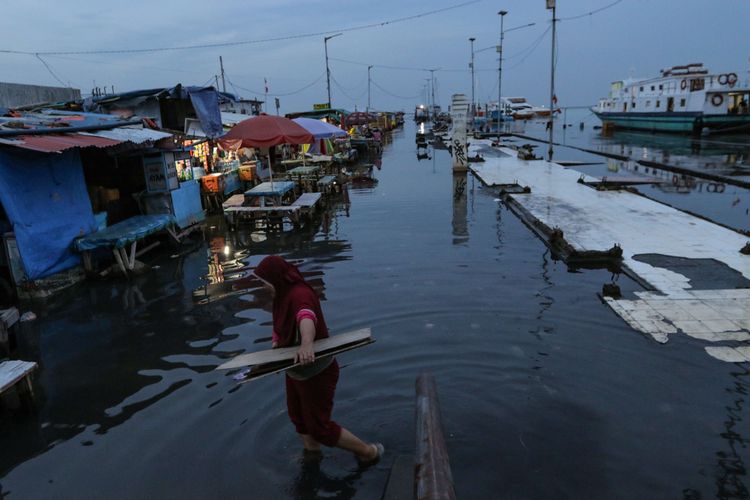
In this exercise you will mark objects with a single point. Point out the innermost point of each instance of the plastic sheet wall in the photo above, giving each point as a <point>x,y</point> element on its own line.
<point>45,199</point>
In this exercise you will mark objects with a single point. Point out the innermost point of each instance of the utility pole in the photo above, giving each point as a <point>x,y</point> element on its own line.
<point>368,87</point>
<point>432,84</point>
<point>223,83</point>
<point>328,70</point>
<point>551,5</point>
<point>471,65</point>
<point>500,107</point>
<point>216,79</point>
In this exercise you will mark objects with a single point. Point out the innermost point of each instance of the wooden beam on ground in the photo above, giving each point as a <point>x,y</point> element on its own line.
<point>400,484</point>
<point>434,480</point>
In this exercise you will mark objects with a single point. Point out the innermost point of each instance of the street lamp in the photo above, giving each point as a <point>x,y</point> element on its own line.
<point>328,71</point>
<point>500,73</point>
<point>471,65</point>
<point>500,64</point>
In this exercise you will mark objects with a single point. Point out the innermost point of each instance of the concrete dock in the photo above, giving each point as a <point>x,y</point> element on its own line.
<point>697,280</point>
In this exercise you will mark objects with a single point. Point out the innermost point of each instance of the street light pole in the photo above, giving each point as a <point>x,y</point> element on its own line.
<point>551,5</point>
<point>471,65</point>
<point>432,91</point>
<point>502,14</point>
<point>328,70</point>
<point>368,88</point>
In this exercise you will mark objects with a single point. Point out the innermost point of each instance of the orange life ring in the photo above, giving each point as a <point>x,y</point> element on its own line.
<point>717,99</point>
<point>683,84</point>
<point>723,78</point>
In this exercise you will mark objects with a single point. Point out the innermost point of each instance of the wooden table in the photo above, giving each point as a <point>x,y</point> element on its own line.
<point>274,190</point>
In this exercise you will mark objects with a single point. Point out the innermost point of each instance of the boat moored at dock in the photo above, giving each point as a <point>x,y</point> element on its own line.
<point>683,99</point>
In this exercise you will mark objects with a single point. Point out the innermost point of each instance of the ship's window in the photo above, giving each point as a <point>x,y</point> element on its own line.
<point>641,89</point>
<point>661,87</point>
<point>632,105</point>
<point>652,87</point>
<point>697,84</point>
<point>682,102</point>
<point>658,104</point>
<point>648,104</point>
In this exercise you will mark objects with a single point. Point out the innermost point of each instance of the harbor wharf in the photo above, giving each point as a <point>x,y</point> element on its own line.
<point>696,279</point>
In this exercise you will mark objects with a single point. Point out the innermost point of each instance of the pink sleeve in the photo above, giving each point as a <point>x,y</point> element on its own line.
<point>275,337</point>
<point>306,313</point>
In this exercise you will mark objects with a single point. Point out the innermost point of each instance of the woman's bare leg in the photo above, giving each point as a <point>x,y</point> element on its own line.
<point>350,442</point>
<point>309,442</point>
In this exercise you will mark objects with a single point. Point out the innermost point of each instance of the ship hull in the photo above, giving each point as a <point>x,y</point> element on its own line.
<point>680,123</point>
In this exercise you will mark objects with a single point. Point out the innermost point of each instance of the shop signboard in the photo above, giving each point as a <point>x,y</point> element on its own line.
<point>160,171</point>
<point>317,107</point>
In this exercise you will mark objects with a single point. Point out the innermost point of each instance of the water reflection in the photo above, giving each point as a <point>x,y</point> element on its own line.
<point>460,224</point>
<point>313,482</point>
<point>731,465</point>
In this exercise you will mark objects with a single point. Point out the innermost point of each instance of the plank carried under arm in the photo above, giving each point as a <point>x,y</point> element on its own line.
<point>332,343</point>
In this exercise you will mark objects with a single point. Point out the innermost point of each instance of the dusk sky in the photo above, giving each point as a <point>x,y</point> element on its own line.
<point>630,38</point>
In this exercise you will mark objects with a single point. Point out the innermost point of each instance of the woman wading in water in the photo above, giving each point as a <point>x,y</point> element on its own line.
<point>298,321</point>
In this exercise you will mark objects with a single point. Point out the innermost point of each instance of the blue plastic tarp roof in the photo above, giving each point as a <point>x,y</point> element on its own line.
<point>46,201</point>
<point>319,129</point>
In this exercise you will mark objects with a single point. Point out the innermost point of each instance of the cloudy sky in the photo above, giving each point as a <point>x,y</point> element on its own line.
<point>630,38</point>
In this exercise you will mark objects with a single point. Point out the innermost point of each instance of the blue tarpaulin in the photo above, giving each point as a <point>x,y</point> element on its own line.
<point>45,198</point>
<point>125,232</point>
<point>205,102</point>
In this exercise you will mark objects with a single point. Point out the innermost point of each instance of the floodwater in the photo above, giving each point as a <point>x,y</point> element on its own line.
<point>544,391</point>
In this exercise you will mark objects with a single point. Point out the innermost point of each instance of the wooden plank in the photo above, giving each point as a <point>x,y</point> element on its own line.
<point>9,317</point>
<point>401,479</point>
<point>262,209</point>
<point>14,370</point>
<point>234,201</point>
<point>264,369</point>
<point>434,479</point>
<point>287,353</point>
<point>326,180</point>
<point>307,200</point>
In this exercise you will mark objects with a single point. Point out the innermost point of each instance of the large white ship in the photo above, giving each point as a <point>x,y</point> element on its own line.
<point>684,99</point>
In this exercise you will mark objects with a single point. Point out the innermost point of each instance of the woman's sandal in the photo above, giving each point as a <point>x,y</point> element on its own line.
<point>376,459</point>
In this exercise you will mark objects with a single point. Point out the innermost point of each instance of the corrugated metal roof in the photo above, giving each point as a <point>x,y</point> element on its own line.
<point>129,134</point>
<point>55,143</point>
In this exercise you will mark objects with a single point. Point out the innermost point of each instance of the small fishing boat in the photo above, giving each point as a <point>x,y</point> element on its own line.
<point>683,99</point>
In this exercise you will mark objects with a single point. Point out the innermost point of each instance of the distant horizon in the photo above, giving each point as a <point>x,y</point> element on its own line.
<point>620,38</point>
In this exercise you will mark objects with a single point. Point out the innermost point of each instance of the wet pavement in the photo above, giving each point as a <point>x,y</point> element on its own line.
<point>545,391</point>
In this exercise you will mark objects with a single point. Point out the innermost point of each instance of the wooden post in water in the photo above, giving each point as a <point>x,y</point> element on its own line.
<point>434,480</point>
<point>459,116</point>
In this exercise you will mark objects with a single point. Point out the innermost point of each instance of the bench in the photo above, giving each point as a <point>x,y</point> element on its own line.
<point>260,210</point>
<point>307,200</point>
<point>15,371</point>
<point>235,200</point>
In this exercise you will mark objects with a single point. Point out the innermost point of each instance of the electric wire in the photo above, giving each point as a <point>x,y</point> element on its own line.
<point>246,42</point>
<point>279,94</point>
<point>51,72</point>
<point>341,89</point>
<point>394,95</point>
<point>595,11</point>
